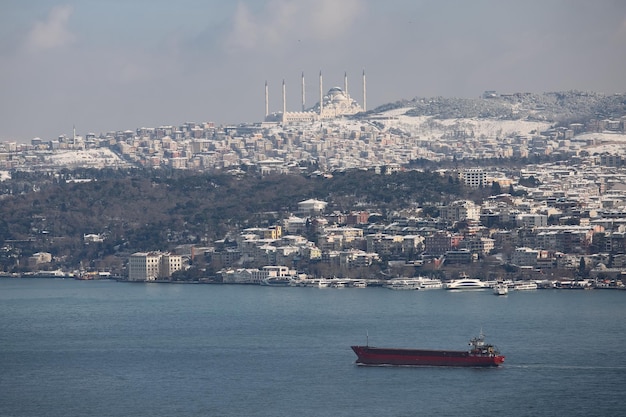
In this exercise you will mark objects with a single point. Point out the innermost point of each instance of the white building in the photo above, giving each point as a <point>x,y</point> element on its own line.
<point>460,210</point>
<point>311,207</point>
<point>256,276</point>
<point>150,266</point>
<point>474,177</point>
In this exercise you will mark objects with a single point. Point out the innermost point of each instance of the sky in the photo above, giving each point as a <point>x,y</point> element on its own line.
<point>123,64</point>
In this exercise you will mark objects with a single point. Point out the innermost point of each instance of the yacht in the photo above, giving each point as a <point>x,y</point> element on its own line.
<point>466,284</point>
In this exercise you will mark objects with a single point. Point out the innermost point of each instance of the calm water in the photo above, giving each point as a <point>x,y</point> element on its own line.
<point>74,348</point>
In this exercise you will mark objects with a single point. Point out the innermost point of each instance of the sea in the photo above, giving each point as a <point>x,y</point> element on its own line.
<point>107,348</point>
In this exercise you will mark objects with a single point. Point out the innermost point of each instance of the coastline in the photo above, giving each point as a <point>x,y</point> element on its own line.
<point>375,283</point>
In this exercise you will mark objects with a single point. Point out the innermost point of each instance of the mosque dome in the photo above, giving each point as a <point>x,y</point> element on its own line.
<point>337,94</point>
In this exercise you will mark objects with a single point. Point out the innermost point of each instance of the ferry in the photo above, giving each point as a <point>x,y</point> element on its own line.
<point>403,284</point>
<point>524,285</point>
<point>466,284</point>
<point>429,283</point>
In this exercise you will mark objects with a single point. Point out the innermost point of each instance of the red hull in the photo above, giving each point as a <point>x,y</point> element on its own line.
<point>414,357</point>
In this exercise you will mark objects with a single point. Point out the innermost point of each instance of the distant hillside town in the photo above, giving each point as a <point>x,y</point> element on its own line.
<point>536,187</point>
<point>338,134</point>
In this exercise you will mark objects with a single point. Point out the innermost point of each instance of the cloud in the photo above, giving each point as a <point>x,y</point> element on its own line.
<point>282,21</point>
<point>52,32</point>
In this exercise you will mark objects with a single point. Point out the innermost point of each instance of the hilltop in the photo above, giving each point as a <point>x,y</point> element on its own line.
<point>552,107</point>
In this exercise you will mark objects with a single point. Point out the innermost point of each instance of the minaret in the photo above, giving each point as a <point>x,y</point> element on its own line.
<point>284,99</point>
<point>345,84</point>
<point>321,95</point>
<point>364,93</point>
<point>303,91</point>
<point>267,101</point>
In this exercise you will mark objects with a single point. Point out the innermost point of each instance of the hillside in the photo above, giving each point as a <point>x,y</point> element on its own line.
<point>149,210</point>
<point>552,107</point>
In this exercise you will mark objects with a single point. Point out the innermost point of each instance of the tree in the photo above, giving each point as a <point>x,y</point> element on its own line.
<point>582,266</point>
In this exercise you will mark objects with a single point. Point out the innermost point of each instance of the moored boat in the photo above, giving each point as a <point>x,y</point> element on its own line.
<point>338,284</point>
<point>466,284</point>
<point>480,354</point>
<point>403,284</point>
<point>322,283</point>
<point>277,281</point>
<point>524,285</point>
<point>429,283</point>
<point>500,289</point>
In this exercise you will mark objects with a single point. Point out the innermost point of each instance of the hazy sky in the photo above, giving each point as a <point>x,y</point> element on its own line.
<point>122,64</point>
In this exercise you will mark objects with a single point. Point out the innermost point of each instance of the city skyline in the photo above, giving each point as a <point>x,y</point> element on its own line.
<point>126,64</point>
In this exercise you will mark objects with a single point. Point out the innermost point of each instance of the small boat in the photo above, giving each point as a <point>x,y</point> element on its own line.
<point>500,289</point>
<point>480,354</point>
<point>359,284</point>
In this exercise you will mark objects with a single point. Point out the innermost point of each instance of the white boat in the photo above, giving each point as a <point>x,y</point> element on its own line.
<point>429,283</point>
<point>359,284</point>
<point>323,283</point>
<point>524,285</point>
<point>277,281</point>
<point>500,289</point>
<point>403,284</point>
<point>318,283</point>
<point>466,284</point>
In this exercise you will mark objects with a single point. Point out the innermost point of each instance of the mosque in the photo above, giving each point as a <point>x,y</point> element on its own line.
<point>336,103</point>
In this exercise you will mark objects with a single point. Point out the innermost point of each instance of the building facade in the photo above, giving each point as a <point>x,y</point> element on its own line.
<point>150,266</point>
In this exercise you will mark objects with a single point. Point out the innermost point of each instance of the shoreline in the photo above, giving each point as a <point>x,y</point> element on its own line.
<point>547,285</point>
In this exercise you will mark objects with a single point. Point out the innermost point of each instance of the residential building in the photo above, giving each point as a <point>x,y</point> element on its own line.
<point>151,266</point>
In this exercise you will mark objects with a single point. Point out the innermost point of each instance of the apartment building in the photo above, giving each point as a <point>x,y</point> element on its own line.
<point>150,266</point>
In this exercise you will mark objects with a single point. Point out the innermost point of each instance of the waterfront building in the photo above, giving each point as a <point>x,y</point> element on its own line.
<point>150,266</point>
<point>39,258</point>
<point>255,275</point>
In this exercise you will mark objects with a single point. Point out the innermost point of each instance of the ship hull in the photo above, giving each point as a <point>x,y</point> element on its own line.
<point>415,357</point>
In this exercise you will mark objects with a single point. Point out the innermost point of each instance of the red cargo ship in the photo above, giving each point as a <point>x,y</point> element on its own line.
<point>479,354</point>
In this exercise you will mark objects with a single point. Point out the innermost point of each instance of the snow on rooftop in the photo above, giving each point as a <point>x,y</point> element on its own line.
<point>88,157</point>
<point>490,128</point>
